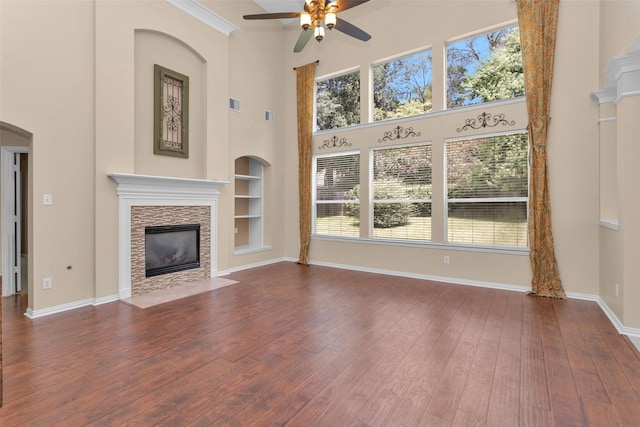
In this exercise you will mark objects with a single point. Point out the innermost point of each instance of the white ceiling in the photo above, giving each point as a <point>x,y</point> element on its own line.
<point>273,6</point>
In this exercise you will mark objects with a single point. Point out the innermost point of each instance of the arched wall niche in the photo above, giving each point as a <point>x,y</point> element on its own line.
<point>155,47</point>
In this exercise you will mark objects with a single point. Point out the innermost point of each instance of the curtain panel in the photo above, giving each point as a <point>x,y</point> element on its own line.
<point>305,76</point>
<point>538,20</point>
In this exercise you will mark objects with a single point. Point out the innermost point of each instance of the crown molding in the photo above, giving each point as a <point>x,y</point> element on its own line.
<point>624,77</point>
<point>203,14</point>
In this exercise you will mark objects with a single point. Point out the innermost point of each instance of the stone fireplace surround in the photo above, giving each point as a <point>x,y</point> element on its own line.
<point>169,200</point>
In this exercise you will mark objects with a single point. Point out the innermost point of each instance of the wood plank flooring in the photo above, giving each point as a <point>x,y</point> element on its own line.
<point>315,346</point>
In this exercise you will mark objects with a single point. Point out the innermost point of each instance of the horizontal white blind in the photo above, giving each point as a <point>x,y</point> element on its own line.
<point>337,188</point>
<point>402,192</point>
<point>487,190</point>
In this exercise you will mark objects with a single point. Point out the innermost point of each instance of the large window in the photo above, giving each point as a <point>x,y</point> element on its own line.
<point>484,68</point>
<point>336,195</point>
<point>487,190</point>
<point>402,192</point>
<point>402,87</point>
<point>338,101</point>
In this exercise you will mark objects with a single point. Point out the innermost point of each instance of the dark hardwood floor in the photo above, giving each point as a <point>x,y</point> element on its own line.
<point>315,346</point>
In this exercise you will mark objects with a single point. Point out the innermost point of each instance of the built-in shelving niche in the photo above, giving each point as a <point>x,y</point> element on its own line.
<point>248,204</point>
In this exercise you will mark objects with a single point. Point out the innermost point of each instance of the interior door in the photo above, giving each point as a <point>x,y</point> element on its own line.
<point>16,223</point>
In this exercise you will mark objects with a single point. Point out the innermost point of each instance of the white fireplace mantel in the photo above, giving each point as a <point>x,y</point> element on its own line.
<point>148,190</point>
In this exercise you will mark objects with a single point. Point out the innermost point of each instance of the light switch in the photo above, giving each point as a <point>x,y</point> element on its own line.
<point>47,199</point>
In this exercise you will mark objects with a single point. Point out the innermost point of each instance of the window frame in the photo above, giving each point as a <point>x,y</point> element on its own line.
<point>447,200</point>
<point>372,108</point>
<point>315,98</point>
<point>472,35</point>
<point>314,190</point>
<point>372,200</point>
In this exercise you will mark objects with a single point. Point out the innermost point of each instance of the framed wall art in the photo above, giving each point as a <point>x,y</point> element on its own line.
<point>171,113</point>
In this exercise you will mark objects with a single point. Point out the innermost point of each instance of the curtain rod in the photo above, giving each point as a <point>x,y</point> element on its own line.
<point>317,62</point>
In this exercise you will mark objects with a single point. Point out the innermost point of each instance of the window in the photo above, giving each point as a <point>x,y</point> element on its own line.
<point>484,68</point>
<point>336,195</point>
<point>338,101</point>
<point>487,190</point>
<point>402,87</point>
<point>402,192</point>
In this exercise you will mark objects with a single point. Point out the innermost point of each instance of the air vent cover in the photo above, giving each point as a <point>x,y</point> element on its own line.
<point>234,104</point>
<point>268,116</point>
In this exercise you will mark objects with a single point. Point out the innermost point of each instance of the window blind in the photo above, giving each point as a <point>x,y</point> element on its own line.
<point>337,193</point>
<point>402,192</point>
<point>487,190</point>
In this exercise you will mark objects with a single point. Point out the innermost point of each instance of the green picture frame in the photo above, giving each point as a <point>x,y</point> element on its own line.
<point>171,113</point>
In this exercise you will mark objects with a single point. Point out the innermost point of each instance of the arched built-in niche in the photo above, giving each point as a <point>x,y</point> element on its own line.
<point>249,205</point>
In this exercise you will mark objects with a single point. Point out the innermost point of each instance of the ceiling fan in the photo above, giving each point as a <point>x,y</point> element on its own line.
<point>318,15</point>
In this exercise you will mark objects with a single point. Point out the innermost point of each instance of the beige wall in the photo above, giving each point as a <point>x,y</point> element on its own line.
<point>47,89</point>
<point>73,74</point>
<point>619,28</point>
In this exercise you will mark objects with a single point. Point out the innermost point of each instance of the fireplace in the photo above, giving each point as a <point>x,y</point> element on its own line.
<point>152,201</point>
<point>171,248</point>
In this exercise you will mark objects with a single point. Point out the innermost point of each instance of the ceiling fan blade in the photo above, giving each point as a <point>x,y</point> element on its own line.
<point>279,15</point>
<point>351,30</point>
<point>302,40</point>
<point>347,4</point>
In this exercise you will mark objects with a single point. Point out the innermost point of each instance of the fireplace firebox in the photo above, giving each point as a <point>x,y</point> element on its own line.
<point>171,248</point>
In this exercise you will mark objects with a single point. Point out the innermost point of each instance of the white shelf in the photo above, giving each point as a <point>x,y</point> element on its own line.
<point>248,217</point>
<point>248,177</point>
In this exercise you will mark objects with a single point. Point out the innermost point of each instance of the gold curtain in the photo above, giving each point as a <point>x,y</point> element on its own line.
<point>538,20</point>
<point>305,88</point>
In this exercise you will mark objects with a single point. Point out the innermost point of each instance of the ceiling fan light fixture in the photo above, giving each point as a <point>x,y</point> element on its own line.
<point>318,33</point>
<point>305,21</point>
<point>330,20</point>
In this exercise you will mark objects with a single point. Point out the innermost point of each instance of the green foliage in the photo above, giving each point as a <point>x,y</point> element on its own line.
<point>488,167</point>
<point>386,215</point>
<point>338,101</point>
<point>485,68</point>
<point>420,192</point>
<point>402,87</point>
<point>500,76</point>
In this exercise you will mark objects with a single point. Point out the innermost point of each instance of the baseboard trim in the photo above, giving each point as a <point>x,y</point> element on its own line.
<point>632,333</point>
<point>34,314</point>
<point>249,266</point>
<point>444,279</point>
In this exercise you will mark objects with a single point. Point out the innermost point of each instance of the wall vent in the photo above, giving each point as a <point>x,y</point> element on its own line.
<point>269,117</point>
<point>234,104</point>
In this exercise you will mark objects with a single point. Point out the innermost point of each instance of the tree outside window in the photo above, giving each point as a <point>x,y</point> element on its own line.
<point>485,68</point>
<point>402,87</point>
<point>338,101</point>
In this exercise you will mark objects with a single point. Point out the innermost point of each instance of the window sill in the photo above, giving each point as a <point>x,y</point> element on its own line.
<point>244,250</point>
<point>427,245</point>
<point>446,112</point>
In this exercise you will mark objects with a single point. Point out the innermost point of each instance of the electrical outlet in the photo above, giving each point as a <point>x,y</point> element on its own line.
<point>446,260</point>
<point>617,290</point>
<point>47,283</point>
<point>235,230</point>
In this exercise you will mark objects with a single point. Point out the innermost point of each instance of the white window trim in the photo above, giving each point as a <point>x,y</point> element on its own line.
<point>485,200</point>
<point>314,190</point>
<point>371,196</point>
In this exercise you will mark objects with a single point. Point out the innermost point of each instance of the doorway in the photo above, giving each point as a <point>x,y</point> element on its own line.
<point>14,220</point>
